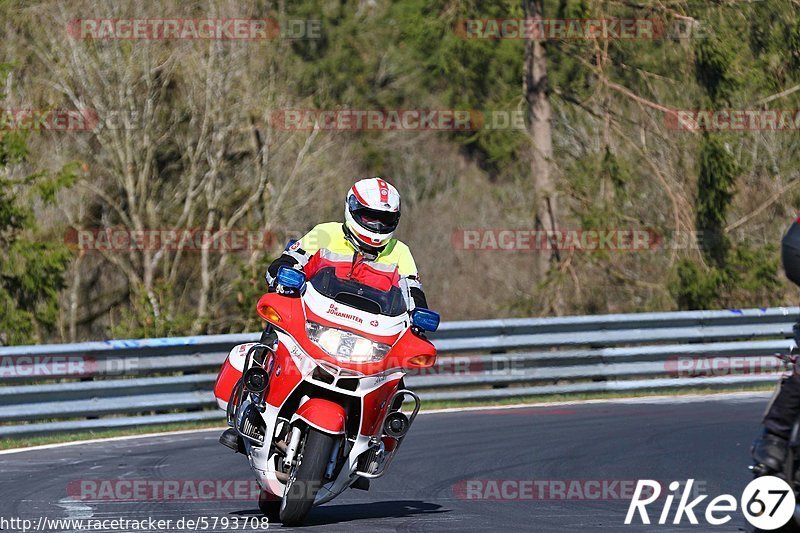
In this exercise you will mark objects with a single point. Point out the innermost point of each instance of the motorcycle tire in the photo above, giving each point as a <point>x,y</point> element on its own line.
<point>270,505</point>
<point>301,492</point>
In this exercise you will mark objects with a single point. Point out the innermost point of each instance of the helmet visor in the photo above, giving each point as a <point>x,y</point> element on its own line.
<point>373,219</point>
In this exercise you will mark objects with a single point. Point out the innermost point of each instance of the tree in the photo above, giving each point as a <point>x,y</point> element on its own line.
<point>31,271</point>
<point>536,91</point>
<point>196,150</point>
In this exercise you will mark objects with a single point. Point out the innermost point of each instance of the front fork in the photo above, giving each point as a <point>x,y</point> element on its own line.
<point>291,448</point>
<point>334,457</point>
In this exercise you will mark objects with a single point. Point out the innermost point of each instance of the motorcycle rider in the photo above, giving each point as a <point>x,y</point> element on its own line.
<point>371,215</point>
<point>769,450</point>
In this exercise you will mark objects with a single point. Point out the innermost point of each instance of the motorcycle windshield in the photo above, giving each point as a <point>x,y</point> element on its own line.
<point>350,292</point>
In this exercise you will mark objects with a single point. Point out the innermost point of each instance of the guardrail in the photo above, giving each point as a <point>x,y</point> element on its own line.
<point>126,383</point>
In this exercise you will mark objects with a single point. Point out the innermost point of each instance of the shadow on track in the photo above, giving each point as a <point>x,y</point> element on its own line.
<point>335,514</point>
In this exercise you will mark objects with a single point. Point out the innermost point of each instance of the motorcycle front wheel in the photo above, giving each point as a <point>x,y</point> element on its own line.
<point>306,477</point>
<point>269,505</point>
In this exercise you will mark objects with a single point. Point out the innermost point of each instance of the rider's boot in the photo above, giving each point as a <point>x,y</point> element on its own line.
<point>232,440</point>
<point>769,452</point>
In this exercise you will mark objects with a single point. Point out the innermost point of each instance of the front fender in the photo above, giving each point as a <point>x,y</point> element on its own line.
<point>325,415</point>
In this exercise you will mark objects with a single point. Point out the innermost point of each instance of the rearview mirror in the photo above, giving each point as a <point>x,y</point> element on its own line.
<point>425,319</point>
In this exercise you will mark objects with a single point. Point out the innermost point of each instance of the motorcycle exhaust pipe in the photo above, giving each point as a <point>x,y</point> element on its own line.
<point>396,425</point>
<point>256,380</point>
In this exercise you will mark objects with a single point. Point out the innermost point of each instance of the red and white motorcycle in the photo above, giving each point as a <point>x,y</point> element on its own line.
<point>318,405</point>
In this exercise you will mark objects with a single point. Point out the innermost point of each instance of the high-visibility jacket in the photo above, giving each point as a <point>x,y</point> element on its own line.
<point>330,236</point>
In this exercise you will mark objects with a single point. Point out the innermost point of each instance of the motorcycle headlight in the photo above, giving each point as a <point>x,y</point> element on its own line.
<point>346,346</point>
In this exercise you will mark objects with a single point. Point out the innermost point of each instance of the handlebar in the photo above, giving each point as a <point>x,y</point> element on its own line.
<point>790,358</point>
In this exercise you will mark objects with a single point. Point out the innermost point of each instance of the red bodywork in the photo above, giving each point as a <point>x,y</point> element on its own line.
<point>406,346</point>
<point>375,405</point>
<point>285,377</point>
<point>359,271</point>
<point>287,313</point>
<point>226,380</point>
<point>325,415</point>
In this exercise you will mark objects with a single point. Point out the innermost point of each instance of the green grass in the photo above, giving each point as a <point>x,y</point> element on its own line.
<point>23,442</point>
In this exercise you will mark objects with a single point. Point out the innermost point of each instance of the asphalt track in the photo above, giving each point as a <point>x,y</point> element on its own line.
<point>707,440</point>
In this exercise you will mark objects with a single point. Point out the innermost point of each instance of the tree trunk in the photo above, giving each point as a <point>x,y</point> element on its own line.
<point>74,299</point>
<point>536,94</point>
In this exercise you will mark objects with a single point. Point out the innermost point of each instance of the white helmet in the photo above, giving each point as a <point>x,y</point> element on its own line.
<point>372,212</point>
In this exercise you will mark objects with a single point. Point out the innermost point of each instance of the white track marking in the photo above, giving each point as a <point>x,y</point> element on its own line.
<point>109,439</point>
<point>75,509</point>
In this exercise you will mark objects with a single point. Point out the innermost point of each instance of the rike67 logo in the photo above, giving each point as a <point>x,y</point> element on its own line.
<point>767,503</point>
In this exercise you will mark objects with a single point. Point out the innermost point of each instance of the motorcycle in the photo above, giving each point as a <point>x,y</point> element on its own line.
<point>318,404</point>
<point>791,469</point>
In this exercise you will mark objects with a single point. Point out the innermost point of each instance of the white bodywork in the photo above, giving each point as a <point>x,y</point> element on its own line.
<point>264,465</point>
<point>352,318</point>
